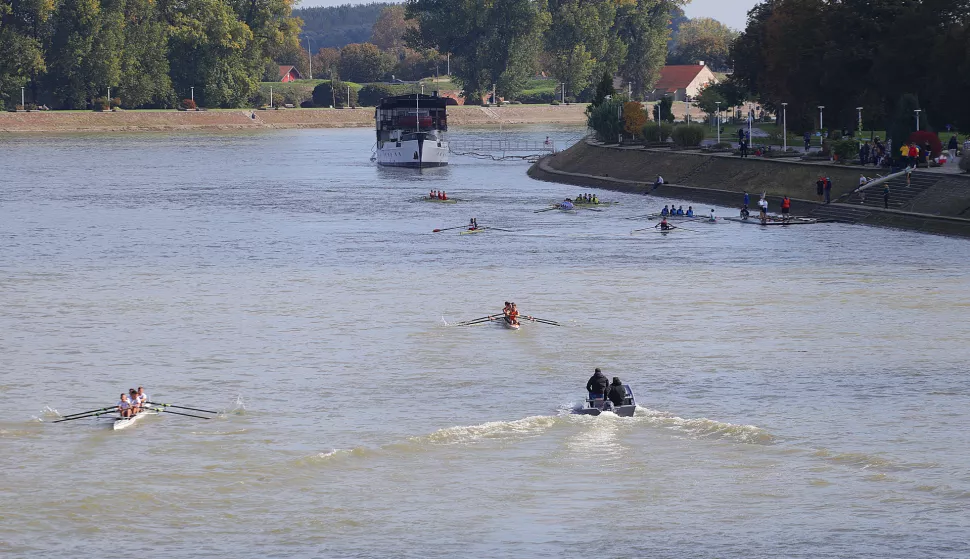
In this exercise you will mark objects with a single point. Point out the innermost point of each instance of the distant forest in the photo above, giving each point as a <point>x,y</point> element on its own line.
<point>337,26</point>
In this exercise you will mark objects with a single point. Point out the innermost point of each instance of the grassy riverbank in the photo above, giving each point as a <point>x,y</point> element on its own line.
<point>228,119</point>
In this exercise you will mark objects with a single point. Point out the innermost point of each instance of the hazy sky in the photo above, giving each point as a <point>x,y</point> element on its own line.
<point>731,12</point>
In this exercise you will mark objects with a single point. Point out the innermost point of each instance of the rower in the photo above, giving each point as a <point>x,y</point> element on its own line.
<point>665,212</point>
<point>472,224</point>
<point>597,385</point>
<point>135,402</point>
<point>433,195</point>
<point>507,309</point>
<point>514,314</point>
<point>680,210</point>
<point>744,212</point>
<point>442,195</point>
<point>142,397</point>
<point>690,211</point>
<point>595,199</point>
<point>713,217</point>
<point>124,406</point>
<point>566,204</point>
<point>663,225</point>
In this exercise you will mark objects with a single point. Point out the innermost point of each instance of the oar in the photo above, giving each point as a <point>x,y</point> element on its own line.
<point>448,229</point>
<point>92,411</point>
<point>179,407</point>
<point>477,320</point>
<point>544,321</point>
<point>83,416</point>
<point>546,210</point>
<point>497,229</point>
<point>180,413</point>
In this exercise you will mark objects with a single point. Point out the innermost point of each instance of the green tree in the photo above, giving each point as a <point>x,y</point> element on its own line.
<point>643,27</point>
<point>388,31</point>
<point>143,79</point>
<point>363,62</point>
<point>21,46</point>
<point>903,121</point>
<point>703,39</point>
<point>326,63</point>
<point>605,121</point>
<point>581,41</point>
<point>604,89</point>
<point>76,69</point>
<point>482,37</point>
<point>708,100</point>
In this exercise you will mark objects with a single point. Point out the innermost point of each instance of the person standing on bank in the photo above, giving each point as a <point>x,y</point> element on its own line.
<point>828,190</point>
<point>885,196</point>
<point>951,147</point>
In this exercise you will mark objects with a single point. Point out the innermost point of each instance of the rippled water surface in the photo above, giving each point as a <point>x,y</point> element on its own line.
<point>803,391</point>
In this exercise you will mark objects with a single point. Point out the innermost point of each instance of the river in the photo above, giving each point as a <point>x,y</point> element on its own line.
<point>803,391</point>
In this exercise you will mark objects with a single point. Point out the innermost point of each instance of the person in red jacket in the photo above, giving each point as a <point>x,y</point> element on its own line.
<point>786,208</point>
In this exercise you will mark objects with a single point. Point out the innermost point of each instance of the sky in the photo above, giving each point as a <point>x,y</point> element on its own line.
<point>733,13</point>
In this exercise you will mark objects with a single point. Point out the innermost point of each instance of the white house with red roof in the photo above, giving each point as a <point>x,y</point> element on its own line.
<point>679,82</point>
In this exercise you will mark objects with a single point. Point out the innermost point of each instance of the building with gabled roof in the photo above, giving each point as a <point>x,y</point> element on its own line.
<point>680,82</point>
<point>289,73</point>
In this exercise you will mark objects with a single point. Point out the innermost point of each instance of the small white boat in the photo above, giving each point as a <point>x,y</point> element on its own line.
<point>125,422</point>
<point>600,405</point>
<point>508,323</point>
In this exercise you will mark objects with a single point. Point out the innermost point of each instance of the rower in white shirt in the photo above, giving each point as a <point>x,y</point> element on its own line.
<point>142,396</point>
<point>124,406</point>
<point>133,399</point>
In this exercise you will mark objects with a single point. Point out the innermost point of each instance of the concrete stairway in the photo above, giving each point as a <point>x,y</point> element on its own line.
<point>843,213</point>
<point>900,194</point>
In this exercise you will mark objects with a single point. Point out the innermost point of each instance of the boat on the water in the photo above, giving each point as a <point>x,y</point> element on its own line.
<point>601,405</point>
<point>410,131</point>
<point>126,422</point>
<point>509,324</point>
<point>472,231</point>
<point>440,201</point>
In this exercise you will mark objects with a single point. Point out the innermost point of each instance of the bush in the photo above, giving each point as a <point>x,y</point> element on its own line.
<point>370,95</point>
<point>554,102</point>
<point>844,150</point>
<point>965,162</point>
<point>634,118</point>
<point>538,98</point>
<point>100,104</point>
<point>605,120</point>
<point>665,107</point>
<point>115,103</point>
<point>666,131</point>
<point>189,104</point>
<point>324,95</point>
<point>688,135</point>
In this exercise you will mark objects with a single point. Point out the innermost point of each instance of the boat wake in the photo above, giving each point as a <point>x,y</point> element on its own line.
<point>703,428</point>
<point>515,430</point>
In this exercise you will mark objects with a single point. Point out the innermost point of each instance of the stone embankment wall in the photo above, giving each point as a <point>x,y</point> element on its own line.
<point>714,179</point>
<point>149,120</point>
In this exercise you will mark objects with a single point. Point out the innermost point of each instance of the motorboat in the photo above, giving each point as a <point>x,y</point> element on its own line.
<point>596,406</point>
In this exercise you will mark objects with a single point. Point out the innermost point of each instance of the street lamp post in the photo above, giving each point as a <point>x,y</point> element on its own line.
<point>687,100</point>
<point>860,119</point>
<point>917,111</point>
<point>784,126</point>
<point>309,56</point>
<point>109,102</point>
<point>718,103</point>
<point>821,124</point>
<point>192,92</point>
<point>271,97</point>
<point>750,121</point>
<point>22,103</point>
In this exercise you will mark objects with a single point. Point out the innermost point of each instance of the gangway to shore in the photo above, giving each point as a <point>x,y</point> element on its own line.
<point>502,150</point>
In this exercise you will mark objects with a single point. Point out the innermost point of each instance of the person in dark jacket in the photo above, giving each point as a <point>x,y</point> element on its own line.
<point>597,385</point>
<point>617,393</point>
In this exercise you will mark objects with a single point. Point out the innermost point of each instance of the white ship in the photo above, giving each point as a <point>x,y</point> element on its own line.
<point>410,131</point>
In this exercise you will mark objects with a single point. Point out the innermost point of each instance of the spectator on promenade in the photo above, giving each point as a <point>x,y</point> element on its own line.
<point>747,199</point>
<point>740,135</point>
<point>820,187</point>
<point>828,190</point>
<point>952,147</point>
<point>966,147</point>
<point>744,148</point>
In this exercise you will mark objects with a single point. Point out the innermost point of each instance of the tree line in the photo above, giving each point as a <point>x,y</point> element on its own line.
<point>889,57</point>
<point>506,42</point>
<point>150,53</point>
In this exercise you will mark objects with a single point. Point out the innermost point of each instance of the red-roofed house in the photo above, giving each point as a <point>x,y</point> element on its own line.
<point>289,73</point>
<point>677,82</point>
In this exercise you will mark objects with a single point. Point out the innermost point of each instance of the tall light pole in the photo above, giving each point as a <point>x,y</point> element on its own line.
<point>917,111</point>
<point>192,88</point>
<point>820,122</point>
<point>784,126</point>
<point>309,57</point>
<point>271,96</point>
<point>22,103</point>
<point>687,100</point>
<point>449,64</point>
<point>750,120</point>
<point>860,119</point>
<point>109,103</point>
<point>718,103</point>
<point>563,92</point>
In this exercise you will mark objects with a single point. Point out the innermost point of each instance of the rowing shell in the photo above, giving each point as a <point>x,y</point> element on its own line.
<point>508,323</point>
<point>125,422</point>
<point>472,231</point>
<point>448,201</point>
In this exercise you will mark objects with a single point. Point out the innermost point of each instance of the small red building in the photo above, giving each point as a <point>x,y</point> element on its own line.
<point>289,73</point>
